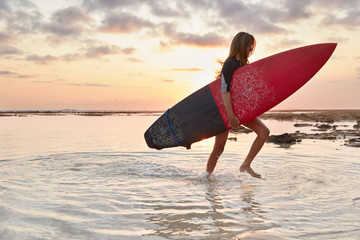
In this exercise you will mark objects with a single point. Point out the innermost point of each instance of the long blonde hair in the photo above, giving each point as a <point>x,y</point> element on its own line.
<point>239,48</point>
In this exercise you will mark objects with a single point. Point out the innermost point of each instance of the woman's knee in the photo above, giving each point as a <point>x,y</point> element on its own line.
<point>264,132</point>
<point>220,141</point>
<point>218,150</point>
<point>259,127</point>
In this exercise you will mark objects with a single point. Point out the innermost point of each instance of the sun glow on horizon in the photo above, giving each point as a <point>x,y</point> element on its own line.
<point>134,55</point>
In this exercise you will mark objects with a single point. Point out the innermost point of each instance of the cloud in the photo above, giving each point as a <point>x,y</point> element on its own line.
<point>337,39</point>
<point>25,76</point>
<point>42,59</point>
<point>124,22</point>
<point>274,18</point>
<point>22,4</point>
<point>89,52</point>
<point>297,9</point>
<point>61,81</point>
<point>338,13</point>
<point>93,5</point>
<point>351,20</point>
<point>14,74</point>
<point>207,40</point>
<point>4,7</point>
<point>63,30</point>
<point>71,57</point>
<point>210,39</point>
<point>20,16</point>
<point>41,82</point>
<point>267,18</point>
<point>168,81</point>
<point>25,22</point>
<point>290,11</point>
<point>101,51</point>
<point>54,81</point>
<point>283,44</point>
<point>70,21</point>
<point>158,8</point>
<point>135,60</point>
<point>128,50</point>
<point>185,69</point>
<point>8,50</point>
<point>251,17</point>
<point>232,8</point>
<point>5,37</point>
<point>105,50</point>
<point>7,6</point>
<point>7,73</point>
<point>259,26</point>
<point>170,22</point>
<point>86,84</point>
<point>70,15</point>
<point>342,6</point>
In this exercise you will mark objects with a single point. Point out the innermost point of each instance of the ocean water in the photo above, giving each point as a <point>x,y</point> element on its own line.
<point>82,177</point>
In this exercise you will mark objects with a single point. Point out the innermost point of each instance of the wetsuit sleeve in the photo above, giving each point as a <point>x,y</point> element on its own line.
<point>226,74</point>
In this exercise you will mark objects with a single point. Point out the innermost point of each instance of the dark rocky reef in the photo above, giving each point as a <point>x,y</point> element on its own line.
<point>285,138</point>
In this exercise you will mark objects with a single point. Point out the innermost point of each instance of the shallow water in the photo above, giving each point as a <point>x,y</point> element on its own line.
<point>78,177</point>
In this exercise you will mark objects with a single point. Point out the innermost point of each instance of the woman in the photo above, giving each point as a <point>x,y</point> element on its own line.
<point>241,48</point>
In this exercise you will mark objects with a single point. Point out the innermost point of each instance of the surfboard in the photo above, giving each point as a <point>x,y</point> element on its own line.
<point>255,89</point>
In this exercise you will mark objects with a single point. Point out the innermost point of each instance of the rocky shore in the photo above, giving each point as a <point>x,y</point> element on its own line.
<point>324,116</point>
<point>325,124</point>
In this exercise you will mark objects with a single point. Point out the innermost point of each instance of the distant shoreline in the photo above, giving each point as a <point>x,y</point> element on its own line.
<point>328,116</point>
<point>317,115</point>
<point>74,112</point>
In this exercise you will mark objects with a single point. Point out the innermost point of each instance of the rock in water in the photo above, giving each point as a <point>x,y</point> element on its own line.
<point>283,138</point>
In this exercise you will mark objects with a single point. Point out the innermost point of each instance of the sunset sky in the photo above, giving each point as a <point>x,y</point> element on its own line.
<point>150,54</point>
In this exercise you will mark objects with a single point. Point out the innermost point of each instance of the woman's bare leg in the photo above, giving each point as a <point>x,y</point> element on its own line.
<point>220,141</point>
<point>262,134</point>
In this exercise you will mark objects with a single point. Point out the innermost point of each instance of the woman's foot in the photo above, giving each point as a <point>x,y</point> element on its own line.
<point>206,174</point>
<point>250,171</point>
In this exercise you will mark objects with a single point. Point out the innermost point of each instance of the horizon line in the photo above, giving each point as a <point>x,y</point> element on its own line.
<point>156,111</point>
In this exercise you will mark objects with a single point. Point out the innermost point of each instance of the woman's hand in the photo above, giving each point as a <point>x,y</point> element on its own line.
<point>234,122</point>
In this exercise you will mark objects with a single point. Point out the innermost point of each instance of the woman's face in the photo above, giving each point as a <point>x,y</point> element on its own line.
<point>250,49</point>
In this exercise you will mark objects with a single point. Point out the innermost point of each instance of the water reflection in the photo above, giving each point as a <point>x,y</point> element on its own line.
<point>180,221</point>
<point>215,216</point>
<point>284,145</point>
<point>217,211</point>
<point>254,208</point>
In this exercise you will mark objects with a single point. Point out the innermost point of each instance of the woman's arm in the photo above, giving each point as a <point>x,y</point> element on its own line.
<point>233,120</point>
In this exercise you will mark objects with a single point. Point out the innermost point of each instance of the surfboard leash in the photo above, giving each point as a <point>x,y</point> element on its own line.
<point>172,131</point>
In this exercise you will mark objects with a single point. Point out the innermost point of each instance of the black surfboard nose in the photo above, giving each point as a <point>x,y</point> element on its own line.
<point>149,141</point>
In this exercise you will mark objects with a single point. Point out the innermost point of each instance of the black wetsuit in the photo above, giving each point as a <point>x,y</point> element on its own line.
<point>230,65</point>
